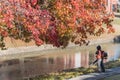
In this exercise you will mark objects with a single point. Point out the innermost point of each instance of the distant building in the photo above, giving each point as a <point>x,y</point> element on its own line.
<point>112,5</point>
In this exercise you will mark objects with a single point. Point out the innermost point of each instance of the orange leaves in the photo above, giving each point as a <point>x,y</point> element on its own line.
<point>86,1</point>
<point>110,29</point>
<point>59,5</point>
<point>53,21</point>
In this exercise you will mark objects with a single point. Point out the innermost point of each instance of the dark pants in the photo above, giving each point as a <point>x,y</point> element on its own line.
<point>102,66</point>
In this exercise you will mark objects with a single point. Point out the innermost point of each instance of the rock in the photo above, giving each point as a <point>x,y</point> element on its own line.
<point>117,39</point>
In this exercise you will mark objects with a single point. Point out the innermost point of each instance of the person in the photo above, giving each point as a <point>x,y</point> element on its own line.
<point>99,59</point>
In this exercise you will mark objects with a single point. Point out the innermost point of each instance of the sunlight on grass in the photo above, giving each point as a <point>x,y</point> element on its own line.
<point>116,21</point>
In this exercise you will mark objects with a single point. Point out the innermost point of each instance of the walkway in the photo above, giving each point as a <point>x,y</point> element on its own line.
<point>98,76</point>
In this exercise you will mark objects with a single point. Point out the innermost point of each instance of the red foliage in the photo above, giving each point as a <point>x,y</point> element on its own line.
<point>55,22</point>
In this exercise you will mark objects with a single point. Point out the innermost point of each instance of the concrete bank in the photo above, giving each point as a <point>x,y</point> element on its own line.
<point>27,49</point>
<point>98,76</point>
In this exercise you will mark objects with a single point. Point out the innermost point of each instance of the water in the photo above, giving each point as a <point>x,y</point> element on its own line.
<point>17,67</point>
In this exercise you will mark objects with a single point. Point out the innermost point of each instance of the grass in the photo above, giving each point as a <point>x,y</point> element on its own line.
<point>71,73</point>
<point>116,21</point>
<point>115,77</point>
<point>65,74</point>
<point>112,64</point>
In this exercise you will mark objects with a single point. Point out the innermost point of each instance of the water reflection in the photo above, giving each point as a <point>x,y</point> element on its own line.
<point>56,60</point>
<point>117,53</point>
<point>113,52</point>
<point>10,70</point>
<point>46,64</point>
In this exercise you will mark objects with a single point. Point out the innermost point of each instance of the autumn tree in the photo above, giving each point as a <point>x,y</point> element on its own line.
<point>55,22</point>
